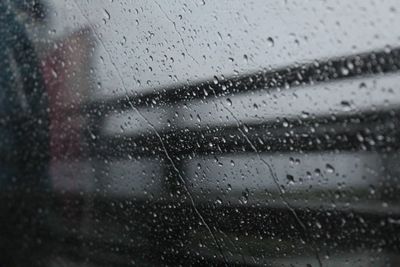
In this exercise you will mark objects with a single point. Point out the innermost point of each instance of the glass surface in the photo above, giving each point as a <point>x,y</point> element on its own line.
<point>199,133</point>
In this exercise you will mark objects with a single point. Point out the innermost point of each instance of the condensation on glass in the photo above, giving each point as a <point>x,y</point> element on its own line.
<point>199,133</point>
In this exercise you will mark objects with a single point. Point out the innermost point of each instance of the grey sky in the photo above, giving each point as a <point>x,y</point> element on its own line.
<point>155,43</point>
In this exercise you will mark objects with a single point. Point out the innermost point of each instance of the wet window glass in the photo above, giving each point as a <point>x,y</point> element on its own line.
<point>199,133</point>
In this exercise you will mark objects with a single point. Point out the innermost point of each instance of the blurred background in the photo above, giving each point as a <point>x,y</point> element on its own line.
<point>191,133</point>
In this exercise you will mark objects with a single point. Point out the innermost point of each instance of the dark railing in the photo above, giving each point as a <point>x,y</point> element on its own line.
<point>360,65</point>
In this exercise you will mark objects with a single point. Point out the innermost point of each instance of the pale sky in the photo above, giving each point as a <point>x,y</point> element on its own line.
<point>157,43</point>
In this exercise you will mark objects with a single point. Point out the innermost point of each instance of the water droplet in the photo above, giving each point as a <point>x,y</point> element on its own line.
<point>345,71</point>
<point>290,178</point>
<point>229,188</point>
<point>329,168</point>
<point>345,105</point>
<point>245,197</point>
<point>218,201</point>
<point>215,80</point>
<point>372,190</point>
<point>270,42</point>
<point>285,124</point>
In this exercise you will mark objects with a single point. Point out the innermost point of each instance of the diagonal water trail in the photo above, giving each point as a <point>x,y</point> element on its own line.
<point>177,32</point>
<point>182,180</point>
<point>274,178</point>
<point>235,247</point>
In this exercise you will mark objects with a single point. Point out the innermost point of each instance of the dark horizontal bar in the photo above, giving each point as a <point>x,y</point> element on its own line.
<point>363,131</point>
<point>374,62</point>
